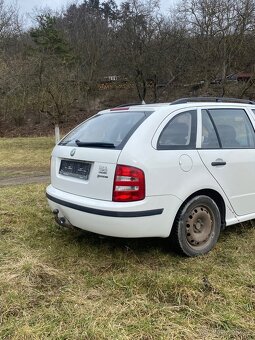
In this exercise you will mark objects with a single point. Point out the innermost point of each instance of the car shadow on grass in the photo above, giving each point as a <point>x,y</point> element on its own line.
<point>143,245</point>
<point>137,245</point>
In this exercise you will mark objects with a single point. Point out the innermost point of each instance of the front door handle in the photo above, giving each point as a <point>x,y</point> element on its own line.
<point>218,162</point>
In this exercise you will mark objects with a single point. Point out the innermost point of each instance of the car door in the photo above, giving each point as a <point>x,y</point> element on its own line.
<point>227,149</point>
<point>175,165</point>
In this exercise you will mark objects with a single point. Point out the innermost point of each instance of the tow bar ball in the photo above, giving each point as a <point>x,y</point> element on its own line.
<point>62,221</point>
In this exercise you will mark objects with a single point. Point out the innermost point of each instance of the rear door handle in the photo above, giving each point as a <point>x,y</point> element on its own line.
<point>218,162</point>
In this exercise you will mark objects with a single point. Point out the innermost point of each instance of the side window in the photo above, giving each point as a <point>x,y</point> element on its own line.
<point>209,136</point>
<point>179,133</point>
<point>234,128</point>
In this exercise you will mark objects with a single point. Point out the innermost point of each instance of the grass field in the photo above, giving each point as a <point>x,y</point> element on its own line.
<point>64,284</point>
<point>25,156</point>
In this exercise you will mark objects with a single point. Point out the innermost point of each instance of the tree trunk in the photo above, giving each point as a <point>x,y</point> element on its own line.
<point>57,134</point>
<point>141,85</point>
<point>155,88</point>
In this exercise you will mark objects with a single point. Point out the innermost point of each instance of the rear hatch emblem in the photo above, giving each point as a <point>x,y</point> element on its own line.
<point>72,153</point>
<point>103,169</point>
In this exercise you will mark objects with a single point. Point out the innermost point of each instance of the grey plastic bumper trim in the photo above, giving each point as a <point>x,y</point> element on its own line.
<point>144,213</point>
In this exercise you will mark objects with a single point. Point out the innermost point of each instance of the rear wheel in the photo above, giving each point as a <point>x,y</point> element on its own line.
<point>197,226</point>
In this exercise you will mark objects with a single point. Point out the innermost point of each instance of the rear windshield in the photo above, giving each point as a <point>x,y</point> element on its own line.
<point>111,129</point>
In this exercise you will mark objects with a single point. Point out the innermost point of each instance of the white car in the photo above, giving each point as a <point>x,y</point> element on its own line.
<point>183,169</point>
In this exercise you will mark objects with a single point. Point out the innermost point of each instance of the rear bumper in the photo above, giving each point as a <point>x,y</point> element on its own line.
<point>152,217</point>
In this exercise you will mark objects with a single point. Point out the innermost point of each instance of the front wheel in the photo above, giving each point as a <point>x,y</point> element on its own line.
<point>197,226</point>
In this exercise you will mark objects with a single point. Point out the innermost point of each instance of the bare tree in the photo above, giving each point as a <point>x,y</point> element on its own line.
<point>10,29</point>
<point>135,32</point>
<point>87,30</point>
<point>9,21</point>
<point>53,63</point>
<point>218,29</point>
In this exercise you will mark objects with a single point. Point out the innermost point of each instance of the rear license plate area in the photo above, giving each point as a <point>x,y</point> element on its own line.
<point>76,169</point>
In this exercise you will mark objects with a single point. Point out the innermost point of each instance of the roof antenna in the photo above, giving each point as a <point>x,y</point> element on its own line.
<point>143,102</point>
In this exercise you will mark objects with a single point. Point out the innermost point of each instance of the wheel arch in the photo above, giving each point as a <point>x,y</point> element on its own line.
<point>215,196</point>
<point>179,235</point>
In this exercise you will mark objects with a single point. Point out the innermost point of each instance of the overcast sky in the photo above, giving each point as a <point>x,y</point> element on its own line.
<point>27,6</point>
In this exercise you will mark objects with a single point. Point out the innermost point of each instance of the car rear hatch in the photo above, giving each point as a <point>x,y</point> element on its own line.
<point>84,162</point>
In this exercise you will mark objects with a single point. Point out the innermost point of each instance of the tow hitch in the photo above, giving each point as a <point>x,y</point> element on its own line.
<point>62,221</point>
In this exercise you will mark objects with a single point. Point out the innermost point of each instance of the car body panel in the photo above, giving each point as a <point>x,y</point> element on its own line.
<point>237,177</point>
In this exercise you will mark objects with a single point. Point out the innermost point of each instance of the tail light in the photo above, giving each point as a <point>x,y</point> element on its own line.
<point>129,184</point>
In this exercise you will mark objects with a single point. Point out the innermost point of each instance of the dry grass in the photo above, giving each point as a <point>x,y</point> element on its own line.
<point>25,156</point>
<point>62,284</point>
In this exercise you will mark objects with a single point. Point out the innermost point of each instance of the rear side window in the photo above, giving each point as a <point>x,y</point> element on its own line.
<point>103,130</point>
<point>179,133</point>
<point>233,127</point>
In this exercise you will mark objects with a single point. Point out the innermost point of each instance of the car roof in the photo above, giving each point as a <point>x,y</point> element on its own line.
<point>154,106</point>
<point>185,103</point>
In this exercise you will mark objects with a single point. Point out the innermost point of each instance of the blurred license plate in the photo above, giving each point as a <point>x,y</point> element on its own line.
<point>75,169</point>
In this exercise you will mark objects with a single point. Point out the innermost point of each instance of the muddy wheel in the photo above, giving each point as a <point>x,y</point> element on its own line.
<point>197,226</point>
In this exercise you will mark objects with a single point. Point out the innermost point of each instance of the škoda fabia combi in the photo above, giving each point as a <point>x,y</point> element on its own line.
<point>183,169</point>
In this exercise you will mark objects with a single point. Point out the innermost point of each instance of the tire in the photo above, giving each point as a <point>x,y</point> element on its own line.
<point>197,227</point>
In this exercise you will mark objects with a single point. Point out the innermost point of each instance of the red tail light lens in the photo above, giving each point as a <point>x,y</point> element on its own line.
<point>129,184</point>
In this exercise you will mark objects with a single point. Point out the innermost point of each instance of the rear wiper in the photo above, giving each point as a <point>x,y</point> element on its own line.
<point>95,144</point>
<point>65,142</point>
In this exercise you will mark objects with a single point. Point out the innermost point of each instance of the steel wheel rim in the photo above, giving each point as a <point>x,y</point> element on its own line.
<point>200,225</point>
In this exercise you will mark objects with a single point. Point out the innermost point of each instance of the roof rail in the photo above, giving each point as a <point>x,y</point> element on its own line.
<point>212,99</point>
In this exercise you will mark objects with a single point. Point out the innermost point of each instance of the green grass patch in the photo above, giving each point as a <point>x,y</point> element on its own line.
<point>25,156</point>
<point>64,284</point>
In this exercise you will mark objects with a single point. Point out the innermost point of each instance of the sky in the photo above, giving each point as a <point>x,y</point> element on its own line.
<point>27,6</point>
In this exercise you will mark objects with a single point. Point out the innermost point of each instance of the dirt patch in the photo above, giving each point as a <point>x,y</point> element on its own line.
<point>22,172</point>
<point>24,180</point>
